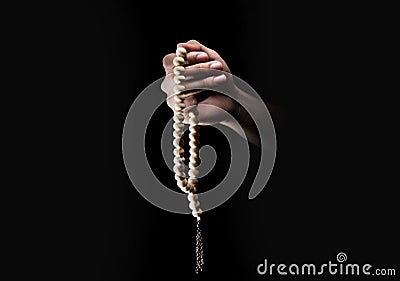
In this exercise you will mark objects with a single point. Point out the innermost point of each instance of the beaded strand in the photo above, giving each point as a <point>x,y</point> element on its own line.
<point>188,185</point>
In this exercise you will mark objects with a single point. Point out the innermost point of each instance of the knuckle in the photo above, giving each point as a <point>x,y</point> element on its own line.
<point>193,41</point>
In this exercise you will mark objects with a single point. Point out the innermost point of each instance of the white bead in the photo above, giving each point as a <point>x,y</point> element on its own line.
<point>181,184</point>
<point>197,213</point>
<point>193,158</point>
<point>178,151</point>
<point>178,70</point>
<point>177,99</point>
<point>194,205</point>
<point>179,114</point>
<point>179,173</point>
<point>178,61</point>
<point>178,160</point>
<point>193,121</point>
<point>192,197</point>
<point>177,134</point>
<point>193,144</point>
<point>181,105</point>
<point>178,107</point>
<point>178,168</point>
<point>181,95</point>
<point>193,173</point>
<point>178,126</point>
<point>181,52</point>
<point>178,118</point>
<point>178,79</point>
<point>176,142</point>
<point>192,181</point>
<point>179,181</point>
<point>178,88</point>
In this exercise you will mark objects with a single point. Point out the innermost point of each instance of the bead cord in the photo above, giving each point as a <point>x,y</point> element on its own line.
<point>187,184</point>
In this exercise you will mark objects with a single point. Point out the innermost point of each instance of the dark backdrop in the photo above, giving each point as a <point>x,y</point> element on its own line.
<point>331,190</point>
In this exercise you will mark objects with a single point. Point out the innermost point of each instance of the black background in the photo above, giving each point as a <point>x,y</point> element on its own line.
<point>332,189</point>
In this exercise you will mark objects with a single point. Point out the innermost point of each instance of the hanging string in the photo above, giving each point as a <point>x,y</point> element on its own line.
<point>199,249</point>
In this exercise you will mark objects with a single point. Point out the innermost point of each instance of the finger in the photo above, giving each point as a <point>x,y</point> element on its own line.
<point>211,65</point>
<point>193,42</point>
<point>200,73</point>
<point>196,57</point>
<point>195,48</point>
<point>192,58</point>
<point>193,45</point>
<point>206,83</point>
<point>168,63</point>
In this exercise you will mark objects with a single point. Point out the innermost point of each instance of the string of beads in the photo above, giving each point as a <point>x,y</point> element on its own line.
<point>187,185</point>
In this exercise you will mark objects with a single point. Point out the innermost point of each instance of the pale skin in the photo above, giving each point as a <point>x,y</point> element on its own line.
<point>201,57</point>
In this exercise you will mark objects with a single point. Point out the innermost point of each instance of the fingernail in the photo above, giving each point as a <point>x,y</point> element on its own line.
<point>215,65</point>
<point>220,78</point>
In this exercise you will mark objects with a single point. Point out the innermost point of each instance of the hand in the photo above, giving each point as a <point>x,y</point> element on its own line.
<point>200,58</point>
